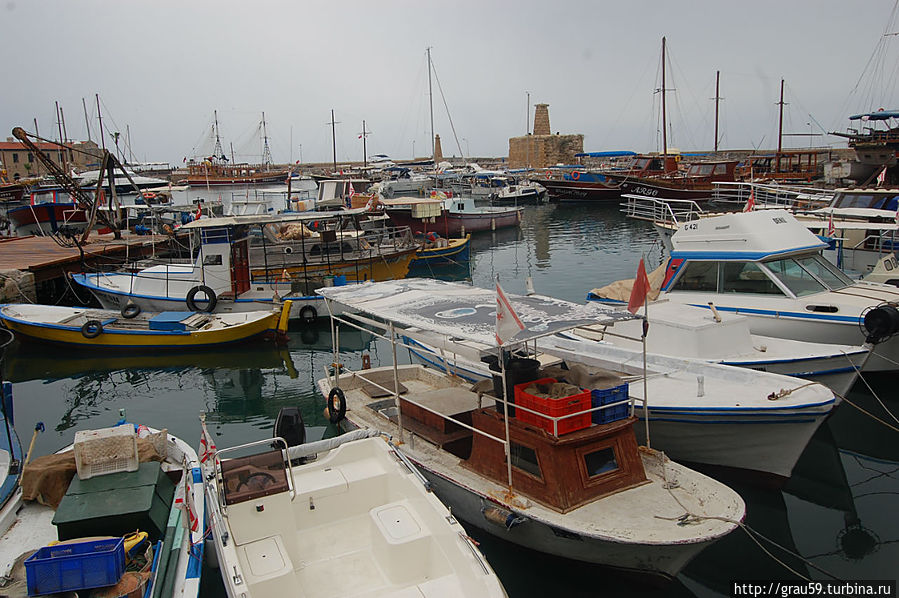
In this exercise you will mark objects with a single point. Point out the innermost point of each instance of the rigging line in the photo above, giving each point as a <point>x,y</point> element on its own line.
<point>446,107</point>
<point>888,25</point>
<point>871,390</point>
<point>745,527</point>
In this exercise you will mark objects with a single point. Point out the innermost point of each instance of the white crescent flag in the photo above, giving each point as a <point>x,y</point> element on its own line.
<point>508,323</point>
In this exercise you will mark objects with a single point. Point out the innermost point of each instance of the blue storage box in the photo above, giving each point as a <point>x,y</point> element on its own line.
<point>616,396</point>
<point>75,566</point>
<point>170,321</point>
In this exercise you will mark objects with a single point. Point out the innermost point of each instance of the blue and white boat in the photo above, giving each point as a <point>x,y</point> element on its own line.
<point>10,452</point>
<point>767,266</point>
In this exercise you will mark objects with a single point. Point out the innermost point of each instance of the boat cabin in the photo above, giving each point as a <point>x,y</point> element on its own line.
<point>785,166</point>
<point>764,252</point>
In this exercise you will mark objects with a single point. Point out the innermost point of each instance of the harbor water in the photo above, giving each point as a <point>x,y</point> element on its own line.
<point>835,518</point>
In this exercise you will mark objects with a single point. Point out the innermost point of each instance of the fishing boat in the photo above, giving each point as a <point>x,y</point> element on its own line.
<point>10,448</point>
<point>335,517</point>
<point>244,263</point>
<point>449,217</point>
<point>47,210</point>
<point>698,410</point>
<point>121,494</point>
<point>543,477</point>
<point>133,328</point>
<point>766,266</point>
<point>437,250</point>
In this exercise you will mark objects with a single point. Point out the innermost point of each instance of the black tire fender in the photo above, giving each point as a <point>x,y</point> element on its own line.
<point>308,314</point>
<point>336,405</point>
<point>130,310</point>
<point>210,296</point>
<point>92,329</point>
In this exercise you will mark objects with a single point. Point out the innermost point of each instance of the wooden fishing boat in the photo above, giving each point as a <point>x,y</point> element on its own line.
<point>217,174</point>
<point>335,518</point>
<point>442,250</point>
<point>450,217</point>
<point>83,505</point>
<point>557,476</point>
<point>246,262</point>
<point>133,328</point>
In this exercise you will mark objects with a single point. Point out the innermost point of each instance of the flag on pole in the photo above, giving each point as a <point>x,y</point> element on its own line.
<point>750,203</point>
<point>882,177</point>
<point>640,289</point>
<point>207,444</point>
<point>831,229</point>
<point>186,503</point>
<point>508,324</point>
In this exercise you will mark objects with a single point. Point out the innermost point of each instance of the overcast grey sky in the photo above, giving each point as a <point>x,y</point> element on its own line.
<point>162,67</point>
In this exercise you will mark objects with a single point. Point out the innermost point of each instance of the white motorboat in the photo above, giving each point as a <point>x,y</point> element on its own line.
<point>345,516</point>
<point>90,497</point>
<point>767,266</point>
<point>553,482</point>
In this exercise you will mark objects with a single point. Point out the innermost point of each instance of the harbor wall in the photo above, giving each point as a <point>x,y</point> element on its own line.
<point>17,286</point>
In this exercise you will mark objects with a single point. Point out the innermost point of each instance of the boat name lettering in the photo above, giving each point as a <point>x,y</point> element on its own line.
<point>691,226</point>
<point>779,221</point>
<point>639,190</point>
<point>722,227</point>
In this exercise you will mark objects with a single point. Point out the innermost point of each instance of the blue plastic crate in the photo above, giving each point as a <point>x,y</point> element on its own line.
<point>75,566</point>
<point>616,396</point>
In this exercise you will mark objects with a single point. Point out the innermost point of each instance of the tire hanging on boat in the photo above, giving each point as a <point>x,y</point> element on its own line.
<point>336,405</point>
<point>308,314</point>
<point>210,298</point>
<point>130,310</point>
<point>91,329</point>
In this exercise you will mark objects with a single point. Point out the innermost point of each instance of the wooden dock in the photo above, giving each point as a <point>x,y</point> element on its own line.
<point>50,263</point>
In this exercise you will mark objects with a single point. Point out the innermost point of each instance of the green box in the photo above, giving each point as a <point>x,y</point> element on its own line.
<point>117,504</point>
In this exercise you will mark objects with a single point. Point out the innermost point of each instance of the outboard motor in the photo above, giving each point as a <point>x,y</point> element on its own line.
<point>289,426</point>
<point>880,323</point>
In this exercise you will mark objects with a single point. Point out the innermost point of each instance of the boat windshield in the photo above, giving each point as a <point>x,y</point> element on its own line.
<point>808,275</point>
<point>878,201</point>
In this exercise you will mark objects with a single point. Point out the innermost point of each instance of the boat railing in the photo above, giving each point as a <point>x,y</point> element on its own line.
<point>660,211</point>
<point>232,474</point>
<point>770,195</point>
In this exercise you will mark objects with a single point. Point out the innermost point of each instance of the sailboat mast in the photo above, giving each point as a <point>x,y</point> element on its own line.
<point>780,125</point>
<point>100,120</point>
<point>334,139</point>
<point>717,98</point>
<point>364,150</point>
<point>664,124</point>
<point>266,151</point>
<point>431,103</point>
<point>87,123</point>
<point>217,151</point>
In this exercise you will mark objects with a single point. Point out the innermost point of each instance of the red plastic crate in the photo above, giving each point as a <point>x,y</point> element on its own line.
<point>553,408</point>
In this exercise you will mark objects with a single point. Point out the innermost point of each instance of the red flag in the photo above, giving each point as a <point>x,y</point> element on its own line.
<point>207,444</point>
<point>199,212</point>
<point>831,229</point>
<point>640,289</point>
<point>186,503</point>
<point>750,203</point>
<point>508,324</point>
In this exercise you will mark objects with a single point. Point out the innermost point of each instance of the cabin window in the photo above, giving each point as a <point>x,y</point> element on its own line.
<point>698,276</point>
<point>212,260</point>
<point>747,277</point>
<point>721,169</point>
<point>601,462</point>
<point>794,277</point>
<point>824,271</point>
<point>525,459</point>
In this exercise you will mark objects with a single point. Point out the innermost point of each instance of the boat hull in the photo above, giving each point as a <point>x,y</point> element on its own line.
<point>450,224</point>
<point>577,190</point>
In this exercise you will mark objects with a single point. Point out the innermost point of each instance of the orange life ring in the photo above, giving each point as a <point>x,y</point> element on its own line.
<point>575,175</point>
<point>148,195</point>
<point>548,173</point>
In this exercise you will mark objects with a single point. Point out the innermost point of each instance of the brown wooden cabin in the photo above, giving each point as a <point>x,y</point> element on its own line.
<point>562,473</point>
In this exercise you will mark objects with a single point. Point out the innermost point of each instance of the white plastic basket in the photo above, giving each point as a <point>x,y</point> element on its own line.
<point>104,451</point>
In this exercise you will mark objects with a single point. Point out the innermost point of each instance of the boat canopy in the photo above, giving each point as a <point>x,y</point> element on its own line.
<point>743,236</point>
<point>464,312</point>
<point>876,115</point>
<point>260,219</point>
<point>610,154</point>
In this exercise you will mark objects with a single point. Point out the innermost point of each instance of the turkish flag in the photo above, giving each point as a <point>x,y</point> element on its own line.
<point>640,289</point>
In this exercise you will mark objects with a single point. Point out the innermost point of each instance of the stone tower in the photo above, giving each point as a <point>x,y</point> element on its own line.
<point>438,152</point>
<point>541,120</point>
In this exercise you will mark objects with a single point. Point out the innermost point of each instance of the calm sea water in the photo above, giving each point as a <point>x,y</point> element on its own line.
<point>837,511</point>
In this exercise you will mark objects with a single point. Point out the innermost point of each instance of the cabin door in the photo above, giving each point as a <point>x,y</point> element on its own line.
<point>240,267</point>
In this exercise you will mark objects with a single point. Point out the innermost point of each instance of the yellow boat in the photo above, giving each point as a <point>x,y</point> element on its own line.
<point>133,329</point>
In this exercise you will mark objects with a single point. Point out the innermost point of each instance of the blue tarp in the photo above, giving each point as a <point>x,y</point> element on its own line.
<point>878,115</point>
<point>617,154</point>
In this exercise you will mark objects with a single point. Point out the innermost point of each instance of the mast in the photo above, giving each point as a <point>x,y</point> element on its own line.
<point>100,118</point>
<point>664,125</point>
<point>431,103</point>
<point>527,133</point>
<point>717,98</point>
<point>780,125</point>
<point>87,123</point>
<point>266,151</point>
<point>364,150</point>
<point>217,151</point>
<point>61,152</point>
<point>334,139</point>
